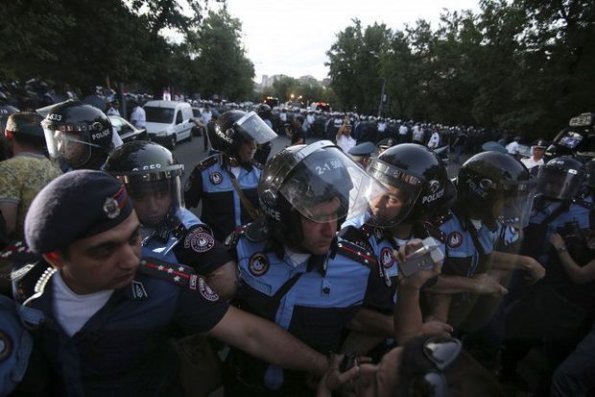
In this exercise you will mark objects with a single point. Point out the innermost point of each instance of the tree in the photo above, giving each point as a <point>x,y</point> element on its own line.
<point>220,58</point>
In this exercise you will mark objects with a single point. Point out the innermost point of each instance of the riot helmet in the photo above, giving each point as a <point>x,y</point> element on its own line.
<point>152,177</point>
<point>561,178</point>
<point>297,180</point>
<point>77,134</point>
<point>236,127</point>
<point>264,111</point>
<point>419,179</point>
<point>494,186</point>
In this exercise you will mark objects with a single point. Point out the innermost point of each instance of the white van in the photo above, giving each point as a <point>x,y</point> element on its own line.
<point>168,122</point>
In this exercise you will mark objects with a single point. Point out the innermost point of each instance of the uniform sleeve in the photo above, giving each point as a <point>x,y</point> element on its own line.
<point>201,251</point>
<point>199,308</point>
<point>193,188</point>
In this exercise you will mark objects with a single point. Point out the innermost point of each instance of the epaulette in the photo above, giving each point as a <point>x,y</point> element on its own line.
<point>357,236</point>
<point>18,253</point>
<point>29,280</point>
<point>178,274</point>
<point>357,253</point>
<point>363,256</point>
<point>232,240</point>
<point>208,162</point>
<point>433,229</point>
<point>255,232</point>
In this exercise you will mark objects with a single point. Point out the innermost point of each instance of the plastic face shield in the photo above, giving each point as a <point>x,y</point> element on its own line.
<point>326,185</point>
<point>252,127</point>
<point>516,204</point>
<point>69,146</point>
<point>558,184</point>
<point>402,189</point>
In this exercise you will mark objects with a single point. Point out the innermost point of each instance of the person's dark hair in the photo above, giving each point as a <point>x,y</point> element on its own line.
<point>25,128</point>
<point>296,137</point>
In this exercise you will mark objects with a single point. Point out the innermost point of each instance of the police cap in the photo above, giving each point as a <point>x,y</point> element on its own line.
<point>76,205</point>
<point>362,150</point>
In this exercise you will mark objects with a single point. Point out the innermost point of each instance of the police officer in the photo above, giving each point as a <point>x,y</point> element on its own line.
<point>418,191</point>
<point>264,150</point>
<point>226,182</point>
<point>292,269</point>
<point>108,312</point>
<point>557,308</point>
<point>170,232</point>
<point>361,153</point>
<point>78,136</point>
<point>494,190</point>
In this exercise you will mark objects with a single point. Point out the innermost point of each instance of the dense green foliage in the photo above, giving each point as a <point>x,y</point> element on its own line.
<point>84,43</point>
<point>525,65</point>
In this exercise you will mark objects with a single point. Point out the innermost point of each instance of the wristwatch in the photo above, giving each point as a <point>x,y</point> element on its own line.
<point>561,249</point>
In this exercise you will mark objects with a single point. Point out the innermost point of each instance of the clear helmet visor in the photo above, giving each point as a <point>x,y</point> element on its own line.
<point>516,205</point>
<point>252,127</point>
<point>154,195</point>
<point>67,147</point>
<point>402,190</point>
<point>68,143</point>
<point>328,186</point>
<point>558,184</point>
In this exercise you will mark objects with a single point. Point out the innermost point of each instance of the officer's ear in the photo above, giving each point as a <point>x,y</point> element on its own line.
<point>54,258</point>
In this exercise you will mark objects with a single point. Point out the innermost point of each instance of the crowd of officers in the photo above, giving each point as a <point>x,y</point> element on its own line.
<point>306,273</point>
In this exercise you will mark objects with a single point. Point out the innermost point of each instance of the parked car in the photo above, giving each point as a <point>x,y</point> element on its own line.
<point>127,131</point>
<point>168,122</point>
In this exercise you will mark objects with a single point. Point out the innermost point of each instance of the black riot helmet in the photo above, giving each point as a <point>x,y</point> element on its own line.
<point>418,177</point>
<point>235,127</point>
<point>495,186</point>
<point>300,177</point>
<point>561,178</point>
<point>150,172</point>
<point>78,134</point>
<point>264,111</point>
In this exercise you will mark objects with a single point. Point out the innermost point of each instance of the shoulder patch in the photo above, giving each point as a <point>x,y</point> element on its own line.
<point>454,239</point>
<point>181,275</point>
<point>216,177</point>
<point>199,239</point>
<point>206,291</point>
<point>258,264</point>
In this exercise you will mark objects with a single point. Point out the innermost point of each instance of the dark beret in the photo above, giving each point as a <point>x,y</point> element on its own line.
<point>76,205</point>
<point>363,149</point>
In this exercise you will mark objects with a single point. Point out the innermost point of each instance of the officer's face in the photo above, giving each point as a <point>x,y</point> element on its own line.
<point>318,235</point>
<point>108,260</point>
<point>152,206</point>
<point>387,206</point>
<point>246,151</point>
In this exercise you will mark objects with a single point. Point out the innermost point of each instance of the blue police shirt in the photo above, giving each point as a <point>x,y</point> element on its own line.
<point>222,209</point>
<point>315,309</point>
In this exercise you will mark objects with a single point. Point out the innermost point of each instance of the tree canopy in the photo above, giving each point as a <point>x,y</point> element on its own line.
<point>85,43</point>
<point>521,65</point>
